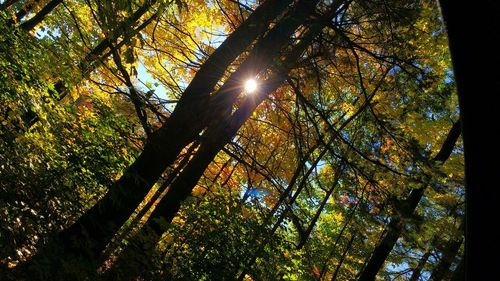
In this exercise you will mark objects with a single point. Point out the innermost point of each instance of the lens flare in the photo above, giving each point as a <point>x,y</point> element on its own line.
<point>250,86</point>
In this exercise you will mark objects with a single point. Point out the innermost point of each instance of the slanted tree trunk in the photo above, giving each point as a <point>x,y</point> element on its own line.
<point>342,258</point>
<point>133,262</point>
<point>88,236</point>
<point>405,210</point>
<point>307,233</point>
<point>7,3</point>
<point>40,16</point>
<point>449,254</point>
<point>215,65</point>
<point>417,271</point>
<point>25,10</point>
<point>213,68</point>
<point>213,140</point>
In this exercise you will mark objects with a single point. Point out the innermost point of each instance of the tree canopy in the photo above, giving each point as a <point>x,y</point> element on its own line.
<point>133,148</point>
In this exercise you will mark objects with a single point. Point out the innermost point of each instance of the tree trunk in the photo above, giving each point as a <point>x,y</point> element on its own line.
<point>182,186</point>
<point>215,137</point>
<point>98,225</point>
<point>405,210</point>
<point>40,16</point>
<point>6,4</point>
<point>212,69</point>
<point>342,258</point>
<point>24,11</point>
<point>305,235</point>
<point>449,254</point>
<point>417,271</point>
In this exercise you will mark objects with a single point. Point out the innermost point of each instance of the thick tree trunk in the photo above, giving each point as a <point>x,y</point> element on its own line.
<point>157,195</point>
<point>25,10</point>
<point>182,186</point>
<point>98,225</point>
<point>214,139</point>
<point>210,72</point>
<point>405,210</point>
<point>163,147</point>
<point>383,249</point>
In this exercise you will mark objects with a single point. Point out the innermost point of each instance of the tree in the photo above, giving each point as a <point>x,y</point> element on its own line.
<point>404,210</point>
<point>161,165</point>
<point>161,150</point>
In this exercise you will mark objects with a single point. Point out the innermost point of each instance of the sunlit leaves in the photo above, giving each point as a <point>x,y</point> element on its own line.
<point>372,97</point>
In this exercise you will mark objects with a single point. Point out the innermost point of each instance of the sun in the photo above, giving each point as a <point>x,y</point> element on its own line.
<point>250,86</point>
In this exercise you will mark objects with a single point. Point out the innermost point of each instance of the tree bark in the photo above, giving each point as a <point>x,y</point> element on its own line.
<point>162,148</point>
<point>182,186</point>
<point>405,210</point>
<point>98,225</point>
<point>213,140</point>
<point>210,72</point>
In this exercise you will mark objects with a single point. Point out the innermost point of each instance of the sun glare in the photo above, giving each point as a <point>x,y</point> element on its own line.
<point>250,86</point>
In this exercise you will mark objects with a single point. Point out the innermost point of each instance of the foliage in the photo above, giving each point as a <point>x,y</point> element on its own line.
<point>59,168</point>
<point>307,187</point>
